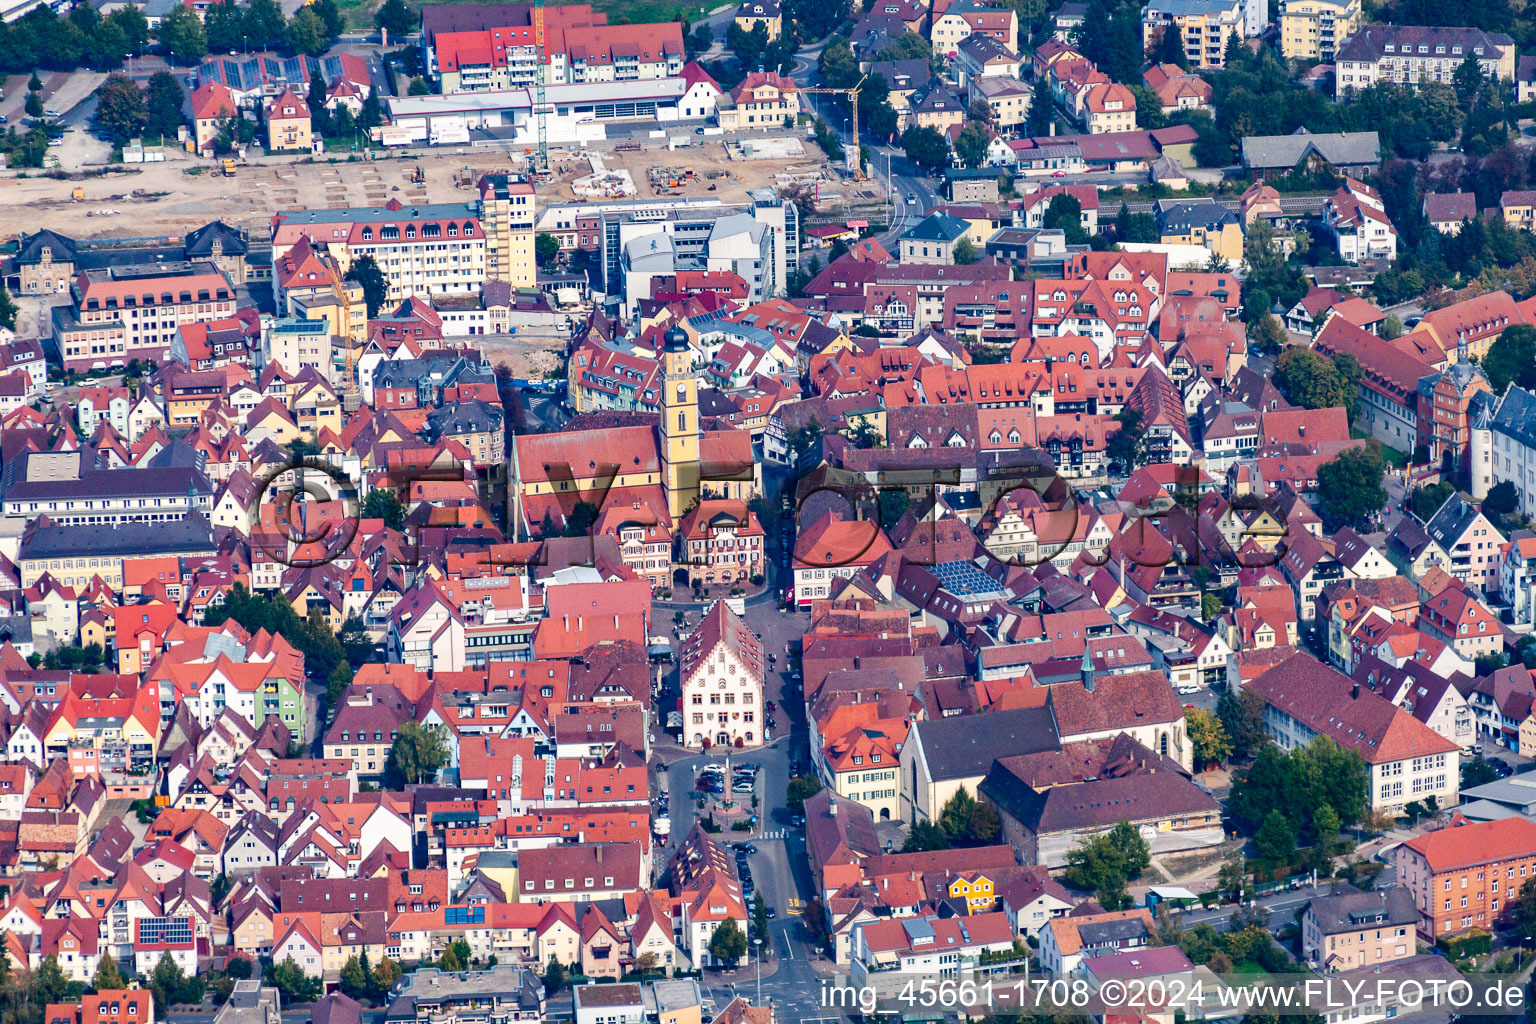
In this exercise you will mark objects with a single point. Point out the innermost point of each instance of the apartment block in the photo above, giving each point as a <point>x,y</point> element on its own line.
<point>1206,26</point>
<point>1466,875</point>
<point>1413,54</point>
<point>1315,29</point>
<point>134,312</point>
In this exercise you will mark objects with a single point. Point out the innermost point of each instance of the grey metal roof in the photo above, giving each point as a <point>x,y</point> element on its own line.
<point>188,535</point>
<point>1201,213</point>
<point>1351,911</point>
<point>1101,933</point>
<point>1516,417</point>
<point>937,227</point>
<point>472,417</point>
<point>1341,149</point>
<point>966,745</point>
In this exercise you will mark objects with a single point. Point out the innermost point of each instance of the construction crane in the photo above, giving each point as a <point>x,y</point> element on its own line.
<point>854,163</point>
<point>540,113</point>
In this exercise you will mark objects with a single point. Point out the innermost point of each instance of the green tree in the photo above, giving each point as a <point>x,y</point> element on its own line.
<point>1523,912</point>
<point>336,685</point>
<point>130,21</point>
<point>8,309</point>
<point>1169,49</point>
<point>729,943</point>
<point>1502,498</point>
<point>107,974</point>
<point>837,64</point>
<point>892,505</point>
<point>331,17</point>
<point>1207,736</point>
<point>1311,380</point>
<point>1124,447</point>
<point>119,108</point>
<point>971,144</point>
<point>365,271</point>
<point>1211,606</point>
<point>965,253</point>
<point>556,977</point>
<point>163,103</point>
<point>1477,772</point>
<point>306,33</point>
<point>264,23</point>
<point>968,822</point>
<point>48,982</point>
<point>383,503</point>
<point>1325,832</point>
<point>1149,109</point>
<point>925,147</point>
<point>546,249</point>
<point>449,960</point>
<point>925,835</point>
<point>1242,718</point>
<point>1275,840</point>
<point>395,17</point>
<point>1105,864</point>
<point>1425,501</point>
<point>907,46</point>
<point>1512,359</point>
<point>1066,213</point>
<point>416,755</point>
<point>34,105</point>
<point>1042,109</point>
<point>748,45</point>
<point>181,34</point>
<point>1349,486</point>
<point>354,980</point>
<point>319,116</point>
<point>798,790</point>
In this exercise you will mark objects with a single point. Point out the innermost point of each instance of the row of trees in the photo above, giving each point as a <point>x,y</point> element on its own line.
<point>1310,792</point>
<point>257,26</point>
<point>125,111</point>
<point>84,39</point>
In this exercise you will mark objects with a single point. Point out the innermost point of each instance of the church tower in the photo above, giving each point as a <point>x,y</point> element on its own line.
<point>679,424</point>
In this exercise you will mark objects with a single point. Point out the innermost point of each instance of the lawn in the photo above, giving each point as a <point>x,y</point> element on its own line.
<point>1395,458</point>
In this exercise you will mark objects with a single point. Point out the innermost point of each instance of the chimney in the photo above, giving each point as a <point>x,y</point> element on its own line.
<point>599,853</point>
<point>832,808</point>
<point>1354,691</point>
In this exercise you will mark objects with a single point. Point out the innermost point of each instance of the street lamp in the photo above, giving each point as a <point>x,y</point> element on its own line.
<point>758,943</point>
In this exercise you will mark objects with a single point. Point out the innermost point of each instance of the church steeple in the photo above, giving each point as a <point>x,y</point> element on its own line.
<point>679,423</point>
<point>1087,667</point>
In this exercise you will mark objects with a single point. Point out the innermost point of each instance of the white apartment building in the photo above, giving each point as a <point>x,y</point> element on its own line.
<point>1413,54</point>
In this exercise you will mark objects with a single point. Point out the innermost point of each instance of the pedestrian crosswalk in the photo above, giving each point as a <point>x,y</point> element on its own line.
<point>777,833</point>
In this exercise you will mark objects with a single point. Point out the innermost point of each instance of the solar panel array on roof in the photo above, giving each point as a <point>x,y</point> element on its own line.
<point>964,580</point>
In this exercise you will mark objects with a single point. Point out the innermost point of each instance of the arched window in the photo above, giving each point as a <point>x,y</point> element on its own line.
<point>682,421</point>
<point>1163,745</point>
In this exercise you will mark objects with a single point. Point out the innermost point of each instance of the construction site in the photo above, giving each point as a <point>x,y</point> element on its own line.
<point>184,192</point>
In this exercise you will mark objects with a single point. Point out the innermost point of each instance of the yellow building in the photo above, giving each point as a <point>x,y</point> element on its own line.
<point>1204,223</point>
<point>1314,29</point>
<point>978,891</point>
<point>765,99</point>
<point>679,425</point>
<point>1519,209</point>
<point>1205,25</point>
<point>761,12</point>
<point>288,123</point>
<point>507,211</point>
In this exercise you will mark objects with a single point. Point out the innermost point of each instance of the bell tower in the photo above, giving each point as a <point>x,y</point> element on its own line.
<point>679,423</point>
